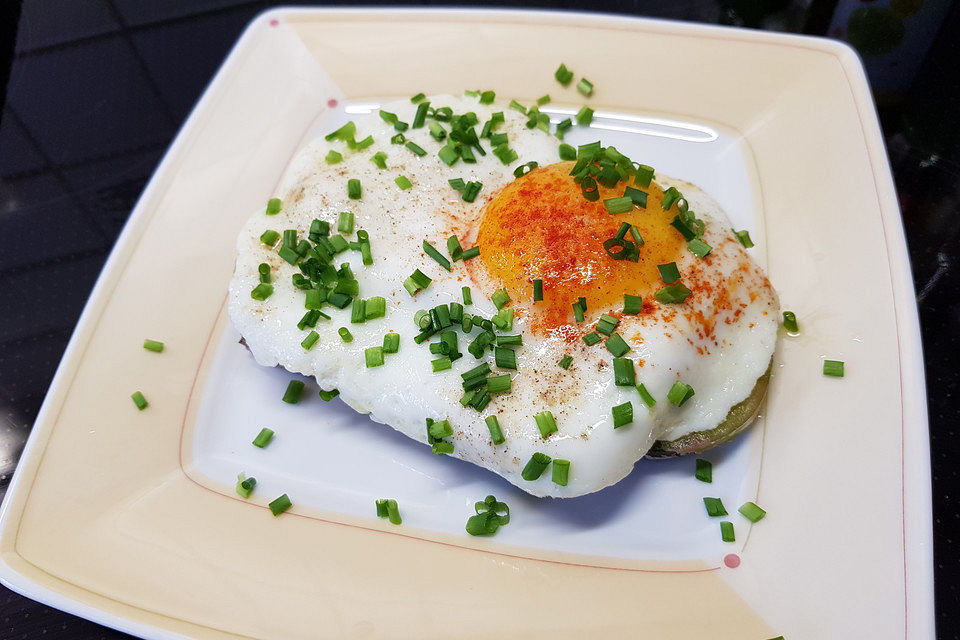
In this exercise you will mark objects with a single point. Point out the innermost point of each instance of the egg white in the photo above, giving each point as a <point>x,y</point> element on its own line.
<point>404,391</point>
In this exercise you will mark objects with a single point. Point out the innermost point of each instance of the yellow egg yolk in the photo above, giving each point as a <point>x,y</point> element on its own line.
<point>541,226</point>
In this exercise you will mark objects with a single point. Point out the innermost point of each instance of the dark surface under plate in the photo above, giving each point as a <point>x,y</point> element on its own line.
<point>97,90</point>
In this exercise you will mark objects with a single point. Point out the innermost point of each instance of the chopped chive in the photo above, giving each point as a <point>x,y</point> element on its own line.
<point>646,396</point>
<point>280,505</point>
<point>674,293</point>
<point>561,472</point>
<point>391,343</point>
<point>310,340</point>
<point>358,313</point>
<point>339,300</point>
<point>752,512</point>
<point>398,139</point>
<point>506,154</point>
<point>623,372</point>
<point>441,364</point>
<point>379,159</point>
<point>487,97</point>
<point>567,152</point>
<point>563,75</point>
<point>262,291</point>
<point>632,305</point>
<point>714,507</point>
<point>346,133</point>
<point>607,324</point>
<point>546,423</point>
<point>585,87</point>
<point>636,196</point>
<point>669,272</point>
<point>704,471</point>
<point>537,290</point>
<point>472,252</point>
<point>449,154</point>
<point>273,206</point>
<point>565,361</point>
<point>744,238</point>
<point>314,299</point>
<point>479,370</point>
<point>263,438</point>
<point>499,384</point>
<point>617,345</point>
<point>153,345</point>
<point>622,414</point>
<point>584,116</point>
<point>333,157</point>
<point>431,251</point>
<point>353,189</point>
<point>679,393</point>
<point>338,243</point>
<point>471,190</point>
<point>506,341</point>
<point>245,485</point>
<point>726,531</point>
<point>524,169</point>
<point>790,322</point>
<point>505,358</point>
<point>699,248</point>
<point>578,311</point>
<point>618,205</point>
<point>454,248</point>
<point>437,132</point>
<point>373,356</point>
<point>345,222</point>
<point>833,368</point>
<point>458,184</point>
<point>442,448</point>
<point>439,429</point>
<point>516,106</point>
<point>414,147</point>
<point>381,508</point>
<point>644,175</point>
<point>264,270</point>
<point>309,319</point>
<point>375,307</point>
<point>139,400</point>
<point>393,512</point>
<point>592,338</point>
<point>421,116</point>
<point>293,392</point>
<point>496,433</point>
<point>269,237</point>
<point>500,298</point>
<point>416,282</point>
<point>418,98</point>
<point>535,466</point>
<point>503,320</point>
<point>327,396</point>
<point>467,297</point>
<point>403,182</point>
<point>670,196</point>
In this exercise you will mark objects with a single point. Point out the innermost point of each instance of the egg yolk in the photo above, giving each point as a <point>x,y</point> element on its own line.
<point>541,226</point>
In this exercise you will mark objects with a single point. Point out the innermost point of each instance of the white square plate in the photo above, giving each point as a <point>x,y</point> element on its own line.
<point>131,519</point>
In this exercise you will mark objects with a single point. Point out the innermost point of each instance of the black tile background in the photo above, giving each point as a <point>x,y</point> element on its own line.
<point>98,88</point>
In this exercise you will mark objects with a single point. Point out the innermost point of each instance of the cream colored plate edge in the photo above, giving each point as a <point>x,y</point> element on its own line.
<point>832,531</point>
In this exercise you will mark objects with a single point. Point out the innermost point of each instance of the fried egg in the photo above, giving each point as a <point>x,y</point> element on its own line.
<point>717,343</point>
